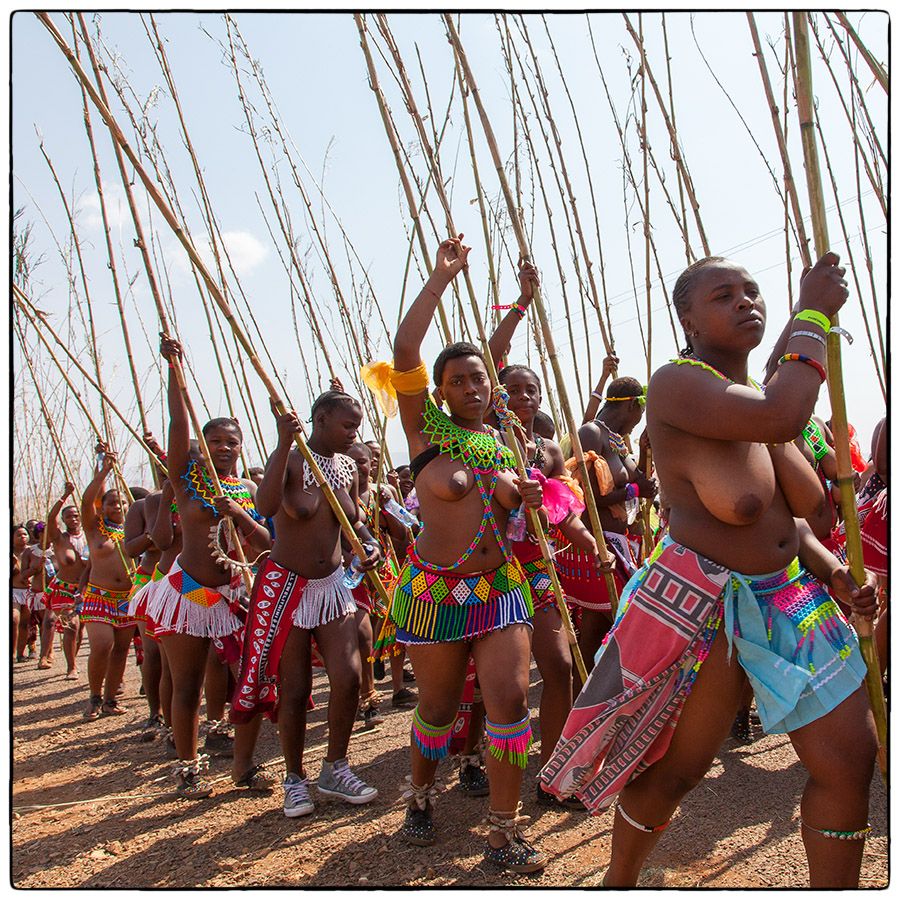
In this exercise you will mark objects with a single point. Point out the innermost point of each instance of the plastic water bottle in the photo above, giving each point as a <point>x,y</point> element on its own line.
<point>353,575</point>
<point>515,525</point>
<point>403,516</point>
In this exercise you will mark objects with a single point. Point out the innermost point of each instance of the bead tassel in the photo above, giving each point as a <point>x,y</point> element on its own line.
<point>433,741</point>
<point>513,740</point>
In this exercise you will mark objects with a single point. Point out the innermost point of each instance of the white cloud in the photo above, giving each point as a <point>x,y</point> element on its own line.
<point>88,208</point>
<point>245,250</point>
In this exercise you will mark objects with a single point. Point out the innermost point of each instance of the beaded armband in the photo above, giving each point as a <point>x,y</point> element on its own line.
<point>802,357</point>
<point>815,440</point>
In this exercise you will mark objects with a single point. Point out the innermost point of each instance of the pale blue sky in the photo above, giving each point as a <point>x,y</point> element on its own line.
<point>316,73</point>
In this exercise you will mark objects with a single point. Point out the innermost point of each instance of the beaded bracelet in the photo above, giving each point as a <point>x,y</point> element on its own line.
<point>810,334</point>
<point>597,396</point>
<point>519,310</point>
<point>816,317</point>
<point>632,490</point>
<point>801,357</point>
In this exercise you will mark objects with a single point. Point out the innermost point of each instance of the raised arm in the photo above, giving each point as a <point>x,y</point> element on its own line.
<point>92,492</point>
<point>503,334</point>
<point>270,492</point>
<point>179,422</point>
<point>53,532</point>
<point>163,532</point>
<point>690,399</point>
<point>450,261</point>
<point>610,365</point>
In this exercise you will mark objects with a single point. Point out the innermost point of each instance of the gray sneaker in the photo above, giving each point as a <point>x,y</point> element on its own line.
<point>337,780</point>
<point>296,796</point>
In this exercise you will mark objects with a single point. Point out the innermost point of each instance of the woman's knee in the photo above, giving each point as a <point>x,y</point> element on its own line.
<point>555,665</point>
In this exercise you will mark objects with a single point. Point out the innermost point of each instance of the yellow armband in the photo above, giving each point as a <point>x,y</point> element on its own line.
<point>385,382</point>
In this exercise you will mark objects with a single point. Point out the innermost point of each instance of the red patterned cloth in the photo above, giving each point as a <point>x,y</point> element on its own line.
<point>624,718</point>
<point>585,586</point>
<point>874,537</point>
<point>275,605</point>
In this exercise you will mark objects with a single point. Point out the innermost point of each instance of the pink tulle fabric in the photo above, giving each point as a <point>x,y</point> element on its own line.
<point>559,499</point>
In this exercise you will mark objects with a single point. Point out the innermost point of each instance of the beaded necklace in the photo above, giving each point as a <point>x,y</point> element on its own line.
<point>484,455</point>
<point>200,486</point>
<point>476,449</point>
<point>112,531</point>
<point>537,461</point>
<point>617,443</point>
<point>700,364</point>
<point>337,469</point>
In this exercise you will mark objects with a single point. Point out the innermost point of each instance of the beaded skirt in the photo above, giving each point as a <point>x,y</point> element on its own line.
<point>432,606</point>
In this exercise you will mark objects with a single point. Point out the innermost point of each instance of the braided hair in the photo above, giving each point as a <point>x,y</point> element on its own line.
<point>683,287</point>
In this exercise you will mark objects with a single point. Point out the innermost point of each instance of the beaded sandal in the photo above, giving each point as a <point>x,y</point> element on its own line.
<point>517,855</point>
<point>741,729</point>
<point>545,798</point>
<point>190,785</point>
<point>256,779</point>
<point>418,828</point>
<point>472,778</point>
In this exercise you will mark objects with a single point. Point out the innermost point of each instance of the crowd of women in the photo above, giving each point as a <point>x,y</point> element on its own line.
<point>716,581</point>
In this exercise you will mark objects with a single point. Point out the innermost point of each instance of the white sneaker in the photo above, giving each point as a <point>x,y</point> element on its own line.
<point>296,796</point>
<point>337,780</point>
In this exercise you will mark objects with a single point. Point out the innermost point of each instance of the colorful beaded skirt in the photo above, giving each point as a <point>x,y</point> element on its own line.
<point>535,567</point>
<point>431,606</point>
<point>109,607</point>
<point>799,652</point>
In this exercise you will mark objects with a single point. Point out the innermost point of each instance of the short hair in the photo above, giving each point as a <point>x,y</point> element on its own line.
<point>331,400</point>
<point>683,287</point>
<point>454,351</point>
<point>624,387</point>
<point>506,371</point>
<point>544,425</point>
<point>15,528</point>
<point>107,493</point>
<point>65,509</point>
<point>223,422</point>
<point>139,493</point>
<point>254,469</point>
<point>373,443</point>
<point>362,445</point>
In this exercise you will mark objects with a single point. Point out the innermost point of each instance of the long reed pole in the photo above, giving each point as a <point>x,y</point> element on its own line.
<point>34,315</point>
<point>167,213</point>
<point>877,69</point>
<point>673,135</point>
<point>835,382</point>
<point>525,253</point>
<point>48,419</point>
<point>511,439</point>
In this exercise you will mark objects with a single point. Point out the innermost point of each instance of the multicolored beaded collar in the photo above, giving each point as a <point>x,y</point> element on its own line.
<point>112,531</point>
<point>200,486</point>
<point>479,450</point>
<point>483,454</point>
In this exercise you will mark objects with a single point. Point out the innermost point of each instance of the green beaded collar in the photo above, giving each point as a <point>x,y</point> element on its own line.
<point>479,450</point>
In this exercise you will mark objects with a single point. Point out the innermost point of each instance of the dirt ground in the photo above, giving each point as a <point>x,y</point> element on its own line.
<point>93,807</point>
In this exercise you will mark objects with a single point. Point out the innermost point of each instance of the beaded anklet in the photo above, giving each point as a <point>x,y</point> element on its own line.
<point>647,829</point>
<point>859,835</point>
